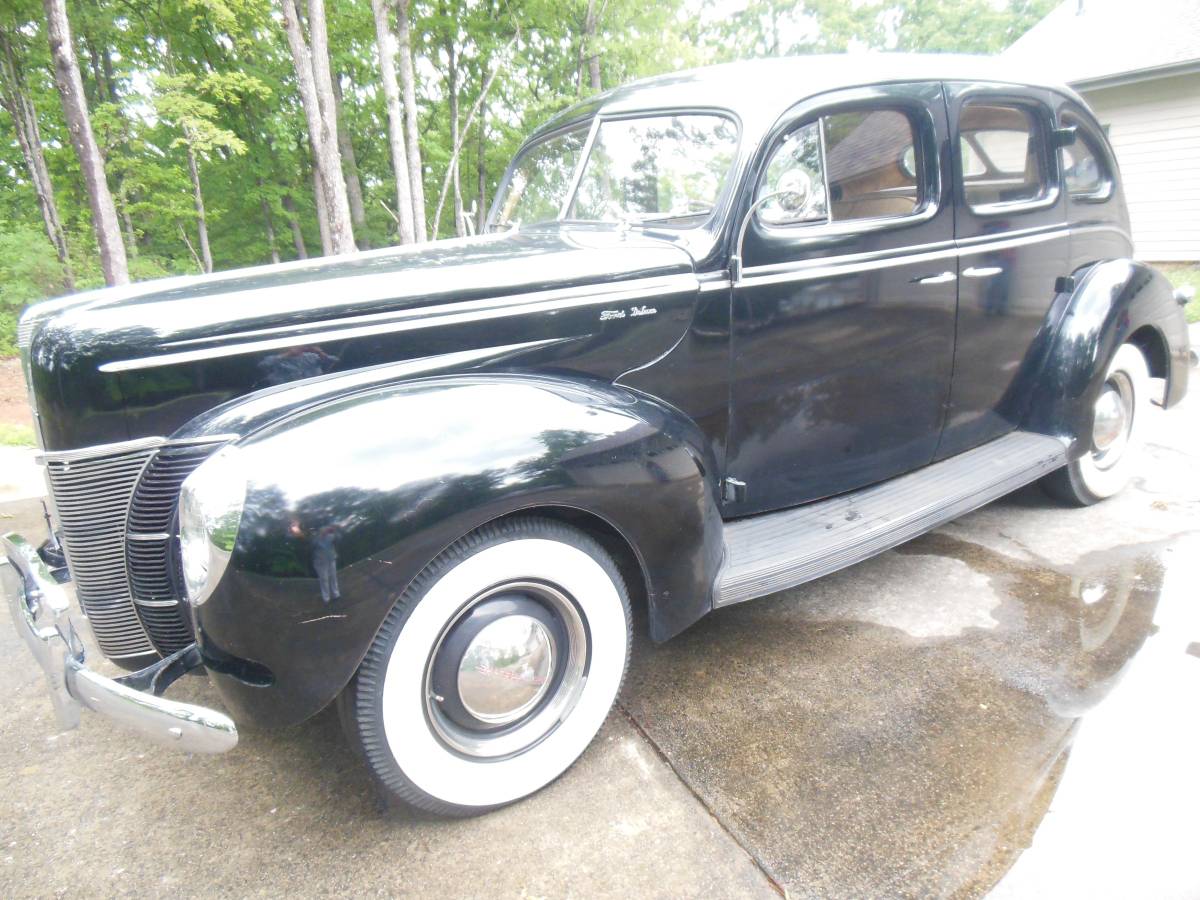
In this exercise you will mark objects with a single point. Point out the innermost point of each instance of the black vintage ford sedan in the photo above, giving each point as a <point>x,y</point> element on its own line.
<point>728,331</point>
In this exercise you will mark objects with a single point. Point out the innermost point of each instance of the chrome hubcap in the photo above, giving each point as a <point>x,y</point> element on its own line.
<point>1112,420</point>
<point>506,669</point>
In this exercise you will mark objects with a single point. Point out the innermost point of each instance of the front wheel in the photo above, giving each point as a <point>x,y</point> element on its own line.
<point>1118,419</point>
<point>494,670</point>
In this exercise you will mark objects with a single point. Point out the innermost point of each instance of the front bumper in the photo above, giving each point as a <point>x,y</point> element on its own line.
<point>39,610</point>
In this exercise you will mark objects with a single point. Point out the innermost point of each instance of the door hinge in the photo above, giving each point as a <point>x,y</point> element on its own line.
<point>1064,284</point>
<point>733,490</point>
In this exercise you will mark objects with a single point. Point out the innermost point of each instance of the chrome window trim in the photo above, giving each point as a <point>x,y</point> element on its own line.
<point>1046,201</point>
<point>930,192</point>
<point>585,153</point>
<point>1041,116</point>
<point>1085,134</point>
<point>490,226</point>
<point>728,189</point>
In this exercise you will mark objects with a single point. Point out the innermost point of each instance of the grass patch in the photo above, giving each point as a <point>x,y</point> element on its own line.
<point>16,435</point>
<point>1185,275</point>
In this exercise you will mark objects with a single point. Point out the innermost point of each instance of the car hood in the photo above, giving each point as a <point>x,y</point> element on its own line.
<point>143,359</point>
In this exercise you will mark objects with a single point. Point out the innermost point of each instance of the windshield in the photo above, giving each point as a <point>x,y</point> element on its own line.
<point>663,169</point>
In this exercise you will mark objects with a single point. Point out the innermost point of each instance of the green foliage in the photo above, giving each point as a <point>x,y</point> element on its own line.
<point>1185,275</point>
<point>214,77</point>
<point>29,271</point>
<point>16,435</point>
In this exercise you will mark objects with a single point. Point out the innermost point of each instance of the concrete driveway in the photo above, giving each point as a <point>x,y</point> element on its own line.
<point>1008,704</point>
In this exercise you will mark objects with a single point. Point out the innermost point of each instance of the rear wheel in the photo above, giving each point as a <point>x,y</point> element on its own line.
<point>1116,436</point>
<point>495,670</point>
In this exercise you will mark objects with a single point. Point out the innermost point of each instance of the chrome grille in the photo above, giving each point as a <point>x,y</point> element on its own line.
<point>91,498</point>
<point>24,333</point>
<point>152,564</point>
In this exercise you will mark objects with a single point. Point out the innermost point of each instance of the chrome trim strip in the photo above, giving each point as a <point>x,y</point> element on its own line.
<point>139,536</point>
<point>579,297</point>
<point>891,254</point>
<point>824,267</point>
<point>606,290</point>
<point>834,268</point>
<point>1019,241</point>
<point>1014,233</point>
<point>146,443</point>
<point>716,284</point>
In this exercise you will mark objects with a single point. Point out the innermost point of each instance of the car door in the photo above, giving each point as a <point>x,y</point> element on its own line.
<point>843,321</point>
<point>1013,244</point>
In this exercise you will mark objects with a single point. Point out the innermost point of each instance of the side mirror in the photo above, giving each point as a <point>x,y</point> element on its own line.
<point>792,197</point>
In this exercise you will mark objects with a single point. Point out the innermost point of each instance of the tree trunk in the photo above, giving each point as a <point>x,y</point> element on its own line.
<point>322,212</point>
<point>358,212</point>
<point>269,223</point>
<point>70,90</point>
<point>391,94</point>
<point>589,44</point>
<point>316,95</point>
<point>294,224</point>
<point>408,86</point>
<point>201,219</point>
<point>130,234</point>
<point>487,86</point>
<point>481,171</point>
<point>459,229</point>
<point>15,99</point>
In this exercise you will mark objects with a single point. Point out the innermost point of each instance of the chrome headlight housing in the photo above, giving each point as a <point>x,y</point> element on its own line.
<point>210,511</point>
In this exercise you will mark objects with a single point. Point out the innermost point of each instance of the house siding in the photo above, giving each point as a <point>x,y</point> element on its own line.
<point>1154,127</point>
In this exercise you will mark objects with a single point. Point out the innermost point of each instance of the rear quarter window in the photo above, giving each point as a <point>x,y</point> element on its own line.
<point>1087,174</point>
<point>1000,149</point>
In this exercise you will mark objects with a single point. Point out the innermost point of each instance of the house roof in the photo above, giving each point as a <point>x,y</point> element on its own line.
<point>1091,43</point>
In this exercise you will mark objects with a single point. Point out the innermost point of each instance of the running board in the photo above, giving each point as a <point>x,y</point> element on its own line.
<point>776,551</point>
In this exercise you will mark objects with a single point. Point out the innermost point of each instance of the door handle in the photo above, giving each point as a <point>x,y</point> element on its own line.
<point>940,278</point>
<point>982,271</point>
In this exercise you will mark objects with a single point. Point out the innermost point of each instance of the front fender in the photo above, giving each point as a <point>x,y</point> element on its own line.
<point>383,481</point>
<point>1114,301</point>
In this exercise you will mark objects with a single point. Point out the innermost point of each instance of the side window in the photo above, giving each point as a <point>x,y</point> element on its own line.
<point>845,166</point>
<point>796,172</point>
<point>872,164</point>
<point>999,148</point>
<point>1084,170</point>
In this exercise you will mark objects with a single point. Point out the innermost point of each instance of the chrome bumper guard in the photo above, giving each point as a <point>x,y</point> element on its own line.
<point>39,608</point>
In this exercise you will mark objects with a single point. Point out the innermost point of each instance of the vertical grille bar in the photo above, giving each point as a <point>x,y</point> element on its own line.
<point>91,499</point>
<point>151,562</point>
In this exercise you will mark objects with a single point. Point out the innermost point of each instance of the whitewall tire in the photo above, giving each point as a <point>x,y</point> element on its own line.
<point>494,670</point>
<point>1115,441</point>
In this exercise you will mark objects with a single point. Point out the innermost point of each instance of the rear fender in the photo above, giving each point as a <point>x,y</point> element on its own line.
<point>385,480</point>
<point>1114,301</point>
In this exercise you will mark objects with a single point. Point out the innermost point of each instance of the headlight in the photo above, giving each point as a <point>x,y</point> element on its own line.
<point>210,510</point>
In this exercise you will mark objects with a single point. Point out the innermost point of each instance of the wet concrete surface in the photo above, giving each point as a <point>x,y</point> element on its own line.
<point>1007,705</point>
